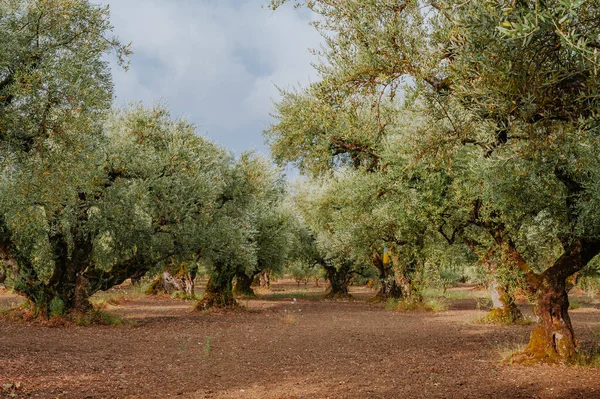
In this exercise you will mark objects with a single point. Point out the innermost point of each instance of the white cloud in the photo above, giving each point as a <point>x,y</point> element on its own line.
<point>215,62</point>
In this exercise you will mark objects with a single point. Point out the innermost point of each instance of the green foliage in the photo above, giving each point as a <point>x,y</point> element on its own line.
<point>97,317</point>
<point>408,305</point>
<point>303,272</point>
<point>183,296</point>
<point>56,307</point>
<point>145,195</point>
<point>207,346</point>
<point>499,159</point>
<point>54,80</point>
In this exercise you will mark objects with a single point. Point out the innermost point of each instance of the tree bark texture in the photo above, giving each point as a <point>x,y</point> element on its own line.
<point>553,339</point>
<point>218,294</point>
<point>504,309</point>
<point>243,284</point>
<point>339,280</point>
<point>388,287</point>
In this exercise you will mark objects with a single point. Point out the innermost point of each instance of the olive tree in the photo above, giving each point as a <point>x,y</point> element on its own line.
<point>247,229</point>
<point>273,226</point>
<point>54,87</point>
<point>513,82</point>
<point>85,221</point>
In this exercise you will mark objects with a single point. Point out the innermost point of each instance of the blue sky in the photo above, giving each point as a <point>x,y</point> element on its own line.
<point>215,62</point>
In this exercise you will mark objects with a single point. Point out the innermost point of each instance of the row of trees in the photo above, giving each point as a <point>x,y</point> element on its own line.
<point>91,196</point>
<point>447,131</point>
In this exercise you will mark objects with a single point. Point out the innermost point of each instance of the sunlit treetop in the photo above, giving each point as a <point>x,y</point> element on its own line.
<point>54,76</point>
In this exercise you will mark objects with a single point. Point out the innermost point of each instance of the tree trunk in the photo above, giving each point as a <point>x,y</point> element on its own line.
<point>265,280</point>
<point>553,339</point>
<point>219,294</point>
<point>73,280</point>
<point>165,282</point>
<point>182,282</point>
<point>504,309</point>
<point>171,284</point>
<point>243,284</point>
<point>388,288</point>
<point>406,276</point>
<point>188,283</point>
<point>339,279</point>
<point>81,302</point>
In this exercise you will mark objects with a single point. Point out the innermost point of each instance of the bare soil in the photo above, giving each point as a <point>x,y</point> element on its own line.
<point>281,348</point>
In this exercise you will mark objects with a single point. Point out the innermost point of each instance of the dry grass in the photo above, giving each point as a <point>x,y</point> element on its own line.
<point>288,319</point>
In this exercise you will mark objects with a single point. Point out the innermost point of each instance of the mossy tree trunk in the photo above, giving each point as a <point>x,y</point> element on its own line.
<point>183,282</point>
<point>553,339</point>
<point>68,284</point>
<point>504,309</point>
<point>407,273</point>
<point>219,292</point>
<point>339,280</point>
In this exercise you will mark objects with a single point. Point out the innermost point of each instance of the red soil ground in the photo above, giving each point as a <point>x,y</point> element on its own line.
<point>280,348</point>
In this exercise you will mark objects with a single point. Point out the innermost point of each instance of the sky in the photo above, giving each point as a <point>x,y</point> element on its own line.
<point>214,62</point>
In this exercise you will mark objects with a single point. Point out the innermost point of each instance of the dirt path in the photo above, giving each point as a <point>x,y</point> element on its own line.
<point>285,349</point>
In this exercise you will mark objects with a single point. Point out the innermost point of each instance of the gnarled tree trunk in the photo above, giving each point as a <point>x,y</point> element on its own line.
<point>264,279</point>
<point>407,274</point>
<point>339,280</point>
<point>182,282</point>
<point>553,339</point>
<point>218,294</point>
<point>243,284</point>
<point>504,309</point>
<point>388,287</point>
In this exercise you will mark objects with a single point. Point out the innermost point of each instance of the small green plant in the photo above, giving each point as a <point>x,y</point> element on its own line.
<point>432,292</point>
<point>97,317</point>
<point>589,356</point>
<point>456,295</point>
<point>207,346</point>
<point>574,304</point>
<point>507,350</point>
<point>294,294</point>
<point>437,304</point>
<point>589,351</point>
<point>183,296</point>
<point>409,305</point>
<point>392,304</point>
<point>500,318</point>
<point>102,300</point>
<point>142,288</point>
<point>56,307</point>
